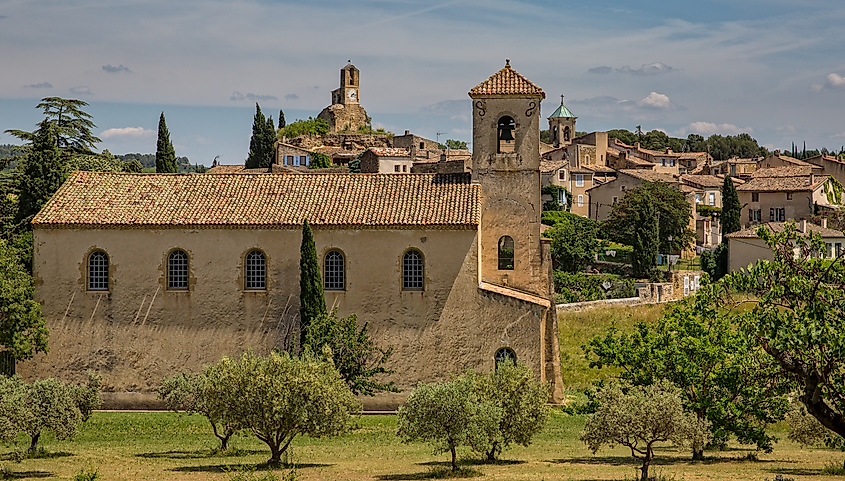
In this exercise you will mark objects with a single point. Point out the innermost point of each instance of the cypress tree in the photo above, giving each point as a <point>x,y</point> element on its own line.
<point>269,140</point>
<point>165,155</point>
<point>730,208</point>
<point>257,142</point>
<point>646,240</point>
<point>281,119</point>
<point>42,172</point>
<point>312,300</point>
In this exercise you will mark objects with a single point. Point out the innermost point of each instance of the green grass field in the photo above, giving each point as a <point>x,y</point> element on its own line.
<point>166,446</point>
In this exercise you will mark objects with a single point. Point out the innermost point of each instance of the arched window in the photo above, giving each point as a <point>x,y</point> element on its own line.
<point>334,271</point>
<point>504,354</point>
<point>98,271</point>
<point>412,270</point>
<point>504,134</point>
<point>566,134</point>
<point>506,253</point>
<point>554,138</point>
<point>177,270</point>
<point>255,270</point>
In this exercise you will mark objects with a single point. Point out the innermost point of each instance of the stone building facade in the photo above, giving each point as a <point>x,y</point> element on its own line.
<point>145,275</point>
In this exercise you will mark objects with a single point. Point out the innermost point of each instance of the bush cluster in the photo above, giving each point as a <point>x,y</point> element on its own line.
<point>580,287</point>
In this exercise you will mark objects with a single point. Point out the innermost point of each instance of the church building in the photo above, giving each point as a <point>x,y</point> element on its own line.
<point>142,276</point>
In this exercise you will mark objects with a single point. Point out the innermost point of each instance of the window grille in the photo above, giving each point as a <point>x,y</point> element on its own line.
<point>333,271</point>
<point>98,271</point>
<point>504,354</point>
<point>412,270</point>
<point>177,270</point>
<point>256,270</point>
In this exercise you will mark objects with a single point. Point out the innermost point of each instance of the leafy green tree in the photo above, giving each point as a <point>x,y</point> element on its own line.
<point>133,166</point>
<point>723,376</point>
<point>278,397</point>
<point>456,144</point>
<point>646,240</point>
<point>42,172</point>
<point>354,353</point>
<point>730,207</point>
<point>797,318</point>
<point>184,393</point>
<point>305,127</point>
<point>522,401</point>
<point>312,299</point>
<point>22,328</point>
<point>625,136</point>
<point>715,262</point>
<point>320,161</point>
<point>72,125</point>
<point>281,119</point>
<point>165,154</point>
<point>448,415</point>
<point>574,243</point>
<point>557,192</point>
<point>261,142</point>
<point>355,165</point>
<point>638,417</point>
<point>674,214</point>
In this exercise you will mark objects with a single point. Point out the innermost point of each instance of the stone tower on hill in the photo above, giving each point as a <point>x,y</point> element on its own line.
<point>346,114</point>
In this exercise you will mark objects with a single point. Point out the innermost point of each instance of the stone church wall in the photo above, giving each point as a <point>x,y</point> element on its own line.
<point>138,331</point>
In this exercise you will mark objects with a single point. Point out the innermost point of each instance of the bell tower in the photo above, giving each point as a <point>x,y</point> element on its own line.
<point>506,163</point>
<point>349,89</point>
<point>561,126</point>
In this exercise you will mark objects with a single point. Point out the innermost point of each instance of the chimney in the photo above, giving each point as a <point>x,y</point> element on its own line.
<point>413,152</point>
<point>637,145</point>
<point>824,222</point>
<point>407,132</point>
<point>802,226</point>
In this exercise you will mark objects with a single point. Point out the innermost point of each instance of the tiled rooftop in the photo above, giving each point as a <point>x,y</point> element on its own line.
<point>792,171</point>
<point>781,184</point>
<point>547,166</point>
<point>226,169</point>
<point>650,175</point>
<point>751,232</point>
<point>101,199</point>
<point>507,82</point>
<point>703,180</point>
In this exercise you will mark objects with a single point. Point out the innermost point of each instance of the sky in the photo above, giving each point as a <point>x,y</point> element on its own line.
<point>772,68</point>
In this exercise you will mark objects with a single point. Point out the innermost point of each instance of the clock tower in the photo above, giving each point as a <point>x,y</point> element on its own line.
<point>346,114</point>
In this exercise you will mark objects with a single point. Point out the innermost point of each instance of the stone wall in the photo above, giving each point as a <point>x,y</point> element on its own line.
<point>344,141</point>
<point>344,117</point>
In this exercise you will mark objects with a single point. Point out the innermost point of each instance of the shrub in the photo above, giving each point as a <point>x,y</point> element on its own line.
<point>183,392</point>
<point>311,126</point>
<point>580,287</point>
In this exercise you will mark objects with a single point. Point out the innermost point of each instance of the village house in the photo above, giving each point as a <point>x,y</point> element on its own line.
<point>745,247</point>
<point>782,193</point>
<point>142,276</point>
<point>380,160</point>
<point>604,196</point>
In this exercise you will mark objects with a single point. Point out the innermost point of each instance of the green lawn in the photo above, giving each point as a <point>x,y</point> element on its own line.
<point>165,446</point>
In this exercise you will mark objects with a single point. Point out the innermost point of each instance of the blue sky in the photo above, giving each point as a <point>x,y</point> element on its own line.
<point>773,68</point>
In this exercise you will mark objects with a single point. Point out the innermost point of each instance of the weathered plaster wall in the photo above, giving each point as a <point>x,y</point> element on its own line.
<point>138,331</point>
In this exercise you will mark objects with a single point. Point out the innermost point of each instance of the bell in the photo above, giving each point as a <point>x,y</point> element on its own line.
<point>506,134</point>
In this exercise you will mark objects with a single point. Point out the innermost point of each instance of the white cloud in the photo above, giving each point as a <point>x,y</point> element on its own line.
<point>81,90</point>
<point>42,85</point>
<point>112,69</point>
<point>834,81</point>
<point>128,132</point>
<point>647,69</point>
<point>707,129</point>
<point>656,101</point>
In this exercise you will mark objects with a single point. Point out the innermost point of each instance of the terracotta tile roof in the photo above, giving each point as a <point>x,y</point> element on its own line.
<point>751,232</point>
<point>226,169</point>
<point>650,175</point>
<point>507,82</point>
<point>548,166</point>
<point>781,184</point>
<point>703,180</point>
<point>103,200</point>
<point>390,152</point>
<point>791,171</point>
<point>692,155</point>
<point>599,168</point>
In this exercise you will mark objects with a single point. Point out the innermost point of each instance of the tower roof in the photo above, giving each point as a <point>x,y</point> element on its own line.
<point>562,112</point>
<point>507,82</point>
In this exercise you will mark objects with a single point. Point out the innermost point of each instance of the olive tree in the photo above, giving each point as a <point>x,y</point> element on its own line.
<point>183,393</point>
<point>450,414</point>
<point>279,396</point>
<point>522,401</point>
<point>638,417</point>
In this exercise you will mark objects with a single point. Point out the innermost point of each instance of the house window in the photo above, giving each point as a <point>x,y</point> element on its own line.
<point>777,214</point>
<point>503,355</point>
<point>256,270</point>
<point>306,160</point>
<point>789,196</point>
<point>754,215</point>
<point>404,168</point>
<point>177,270</point>
<point>579,180</point>
<point>755,197</point>
<point>504,134</point>
<point>712,198</point>
<point>412,270</point>
<point>615,200</point>
<point>829,249</point>
<point>98,271</point>
<point>288,160</point>
<point>295,160</point>
<point>561,175</point>
<point>671,162</point>
<point>663,162</point>
<point>622,188</point>
<point>697,198</point>
<point>396,168</point>
<point>580,200</point>
<point>837,249</point>
<point>334,271</point>
<point>587,159</point>
<point>561,197</point>
<point>506,253</point>
<point>422,145</point>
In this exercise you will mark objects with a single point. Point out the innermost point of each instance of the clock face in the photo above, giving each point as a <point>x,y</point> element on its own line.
<point>351,94</point>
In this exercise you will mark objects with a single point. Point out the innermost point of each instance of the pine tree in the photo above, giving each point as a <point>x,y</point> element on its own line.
<point>257,143</point>
<point>730,208</point>
<point>42,172</point>
<point>312,300</point>
<point>165,155</point>
<point>646,240</point>
<point>281,119</point>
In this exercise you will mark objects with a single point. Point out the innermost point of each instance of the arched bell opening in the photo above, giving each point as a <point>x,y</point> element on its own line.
<point>505,135</point>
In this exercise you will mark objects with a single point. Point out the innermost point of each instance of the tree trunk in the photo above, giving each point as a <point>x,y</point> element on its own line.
<point>34,443</point>
<point>454,458</point>
<point>697,454</point>
<point>491,455</point>
<point>646,463</point>
<point>224,438</point>
<point>275,455</point>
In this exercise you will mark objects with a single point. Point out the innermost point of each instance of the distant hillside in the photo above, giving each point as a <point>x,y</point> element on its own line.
<point>149,160</point>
